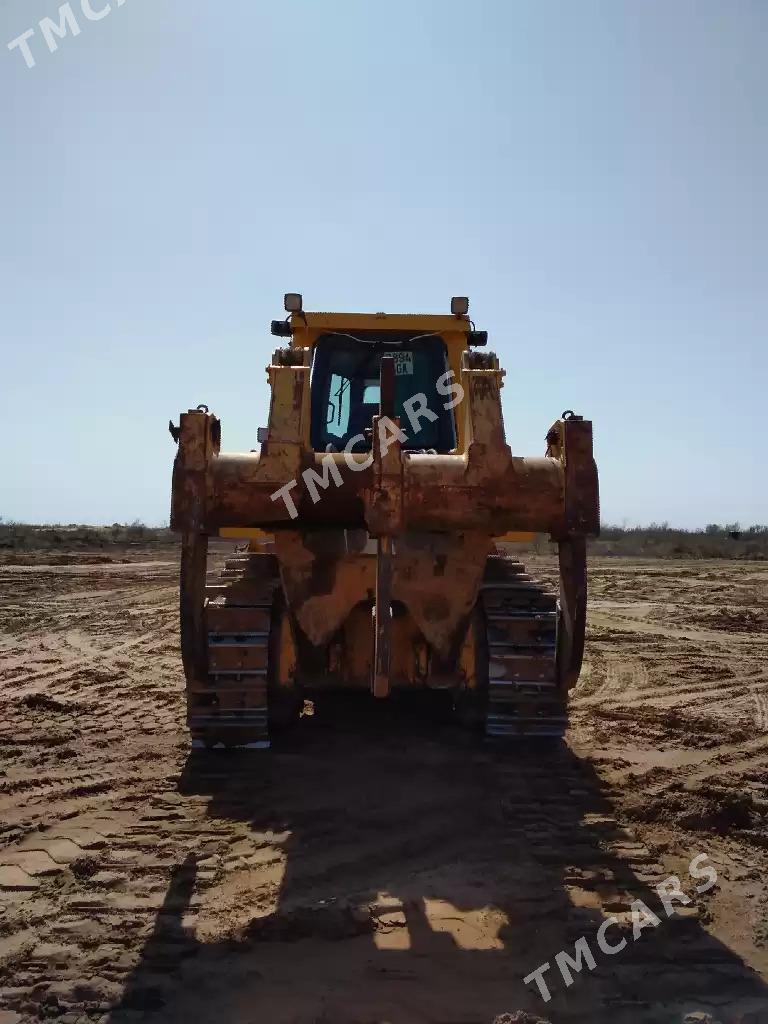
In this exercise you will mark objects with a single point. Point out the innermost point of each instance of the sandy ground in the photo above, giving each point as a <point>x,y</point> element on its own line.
<point>377,865</point>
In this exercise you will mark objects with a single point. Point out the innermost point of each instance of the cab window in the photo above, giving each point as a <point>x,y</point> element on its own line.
<point>345,389</point>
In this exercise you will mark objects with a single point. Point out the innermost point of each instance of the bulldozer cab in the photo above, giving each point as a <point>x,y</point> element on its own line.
<point>345,389</point>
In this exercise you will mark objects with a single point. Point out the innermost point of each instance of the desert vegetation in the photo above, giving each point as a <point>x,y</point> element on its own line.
<point>656,540</point>
<point>660,540</point>
<point>63,543</point>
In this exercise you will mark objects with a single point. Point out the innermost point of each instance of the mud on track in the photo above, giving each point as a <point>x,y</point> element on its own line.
<point>378,865</point>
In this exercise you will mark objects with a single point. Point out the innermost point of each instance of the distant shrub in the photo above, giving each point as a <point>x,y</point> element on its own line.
<point>660,540</point>
<point>30,537</point>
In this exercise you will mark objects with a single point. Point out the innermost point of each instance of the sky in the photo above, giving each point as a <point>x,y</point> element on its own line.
<point>591,174</point>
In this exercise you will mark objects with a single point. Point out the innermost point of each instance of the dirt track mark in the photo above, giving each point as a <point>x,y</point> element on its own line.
<point>423,876</point>
<point>629,624</point>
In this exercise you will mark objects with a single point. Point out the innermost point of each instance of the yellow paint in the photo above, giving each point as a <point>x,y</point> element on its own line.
<point>245,533</point>
<point>320,322</point>
<point>288,421</point>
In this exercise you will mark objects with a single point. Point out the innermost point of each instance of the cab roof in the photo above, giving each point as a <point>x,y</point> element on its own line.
<point>440,323</point>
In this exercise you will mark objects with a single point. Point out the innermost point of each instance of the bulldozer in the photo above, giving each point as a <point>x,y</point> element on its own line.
<point>373,528</point>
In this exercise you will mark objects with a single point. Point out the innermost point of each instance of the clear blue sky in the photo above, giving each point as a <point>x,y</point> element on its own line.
<point>594,175</point>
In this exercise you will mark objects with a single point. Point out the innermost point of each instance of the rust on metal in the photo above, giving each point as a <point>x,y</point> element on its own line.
<point>382,618</point>
<point>572,554</point>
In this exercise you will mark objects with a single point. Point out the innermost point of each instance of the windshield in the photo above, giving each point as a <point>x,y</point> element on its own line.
<point>345,389</point>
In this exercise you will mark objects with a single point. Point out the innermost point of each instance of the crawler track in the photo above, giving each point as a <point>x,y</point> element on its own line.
<point>520,615</point>
<point>518,655</point>
<point>231,708</point>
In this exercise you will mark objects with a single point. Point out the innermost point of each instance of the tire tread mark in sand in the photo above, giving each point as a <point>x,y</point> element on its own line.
<point>760,697</point>
<point>627,624</point>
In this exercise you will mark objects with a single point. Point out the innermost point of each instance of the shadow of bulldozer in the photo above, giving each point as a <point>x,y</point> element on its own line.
<point>420,877</point>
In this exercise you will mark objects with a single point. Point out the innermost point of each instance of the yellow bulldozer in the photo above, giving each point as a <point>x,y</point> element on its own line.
<point>373,518</point>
